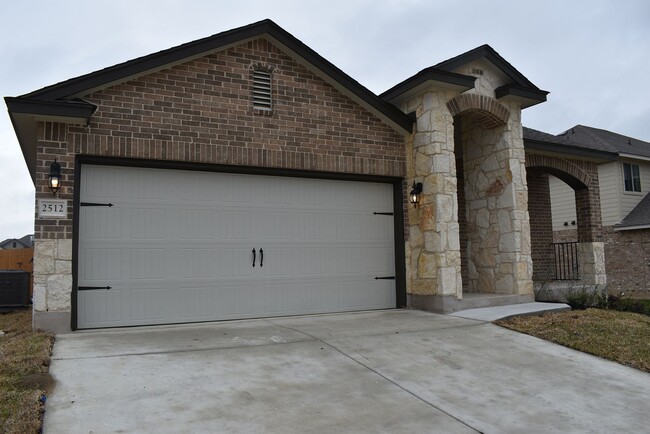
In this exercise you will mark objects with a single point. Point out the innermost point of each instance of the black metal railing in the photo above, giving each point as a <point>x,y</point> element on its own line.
<point>566,261</point>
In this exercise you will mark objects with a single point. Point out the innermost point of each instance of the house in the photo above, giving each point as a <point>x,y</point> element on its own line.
<point>624,201</point>
<point>26,242</point>
<point>243,175</point>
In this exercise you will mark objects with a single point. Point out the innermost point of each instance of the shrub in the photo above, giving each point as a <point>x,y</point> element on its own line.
<point>582,298</point>
<point>626,304</point>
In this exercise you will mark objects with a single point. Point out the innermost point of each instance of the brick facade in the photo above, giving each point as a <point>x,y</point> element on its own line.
<point>201,111</point>
<point>541,225</point>
<point>582,176</point>
<point>627,259</point>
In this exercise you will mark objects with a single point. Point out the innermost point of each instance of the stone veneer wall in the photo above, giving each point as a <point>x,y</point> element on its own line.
<point>201,111</point>
<point>498,232</point>
<point>433,246</point>
<point>627,260</point>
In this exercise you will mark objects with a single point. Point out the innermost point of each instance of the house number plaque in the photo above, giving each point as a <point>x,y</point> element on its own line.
<point>52,208</point>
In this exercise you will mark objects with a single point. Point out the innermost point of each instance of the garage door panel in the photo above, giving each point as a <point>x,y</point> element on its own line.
<point>149,305</point>
<point>100,222</point>
<point>235,225</point>
<point>147,263</point>
<point>106,307</point>
<point>196,224</point>
<point>185,254</point>
<point>148,223</point>
<point>100,264</point>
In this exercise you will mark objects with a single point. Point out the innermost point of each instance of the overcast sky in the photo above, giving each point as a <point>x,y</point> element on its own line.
<point>593,56</point>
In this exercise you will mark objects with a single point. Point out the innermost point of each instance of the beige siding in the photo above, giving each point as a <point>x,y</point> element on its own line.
<point>610,177</point>
<point>628,199</point>
<point>563,204</point>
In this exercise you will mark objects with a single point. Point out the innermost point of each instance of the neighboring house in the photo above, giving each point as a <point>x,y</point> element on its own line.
<point>26,242</point>
<point>625,206</point>
<point>243,175</point>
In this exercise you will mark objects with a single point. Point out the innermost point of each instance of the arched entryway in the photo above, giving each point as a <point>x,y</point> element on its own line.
<point>493,224</point>
<point>579,261</point>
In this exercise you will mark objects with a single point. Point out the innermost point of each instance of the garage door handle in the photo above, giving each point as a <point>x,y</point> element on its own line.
<point>261,257</point>
<point>254,258</point>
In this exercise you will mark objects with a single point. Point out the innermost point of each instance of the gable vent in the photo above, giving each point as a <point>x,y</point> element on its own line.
<point>262,89</point>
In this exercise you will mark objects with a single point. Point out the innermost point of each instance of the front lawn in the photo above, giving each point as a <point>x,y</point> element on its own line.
<point>24,362</point>
<point>623,337</point>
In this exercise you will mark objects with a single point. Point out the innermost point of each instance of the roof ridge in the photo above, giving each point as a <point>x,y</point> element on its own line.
<point>486,51</point>
<point>44,91</point>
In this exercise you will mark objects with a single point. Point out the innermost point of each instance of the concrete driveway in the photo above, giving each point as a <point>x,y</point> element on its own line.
<point>382,371</point>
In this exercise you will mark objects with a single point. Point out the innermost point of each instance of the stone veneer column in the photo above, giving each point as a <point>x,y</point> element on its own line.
<point>52,284</point>
<point>433,250</point>
<point>591,260</point>
<point>498,228</point>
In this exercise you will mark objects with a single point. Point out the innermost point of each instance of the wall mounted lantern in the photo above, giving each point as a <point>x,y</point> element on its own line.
<point>54,180</point>
<point>414,195</point>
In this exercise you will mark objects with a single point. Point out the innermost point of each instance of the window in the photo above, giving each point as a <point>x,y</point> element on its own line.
<point>632,177</point>
<point>262,89</point>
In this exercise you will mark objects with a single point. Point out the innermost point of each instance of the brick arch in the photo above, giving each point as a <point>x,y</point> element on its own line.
<point>567,171</point>
<point>483,109</point>
<point>260,65</point>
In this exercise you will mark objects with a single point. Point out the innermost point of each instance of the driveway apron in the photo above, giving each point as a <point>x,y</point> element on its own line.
<point>380,371</point>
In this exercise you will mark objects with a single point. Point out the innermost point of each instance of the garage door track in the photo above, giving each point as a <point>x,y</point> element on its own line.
<point>380,371</point>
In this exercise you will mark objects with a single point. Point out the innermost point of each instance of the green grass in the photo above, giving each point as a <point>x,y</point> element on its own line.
<point>622,337</point>
<point>24,362</point>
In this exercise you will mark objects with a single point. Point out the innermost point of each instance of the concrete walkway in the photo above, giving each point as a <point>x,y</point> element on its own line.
<point>501,312</point>
<point>383,371</point>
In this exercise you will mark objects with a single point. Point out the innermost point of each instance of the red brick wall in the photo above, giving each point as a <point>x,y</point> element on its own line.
<point>52,143</point>
<point>627,260</point>
<point>541,224</point>
<point>582,176</point>
<point>201,111</point>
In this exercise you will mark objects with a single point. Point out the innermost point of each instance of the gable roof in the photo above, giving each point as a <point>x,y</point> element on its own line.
<point>599,139</point>
<point>638,218</point>
<point>442,74</point>
<point>545,142</point>
<point>20,242</point>
<point>61,101</point>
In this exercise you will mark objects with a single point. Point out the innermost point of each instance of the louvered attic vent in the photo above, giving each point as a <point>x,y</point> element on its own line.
<point>261,89</point>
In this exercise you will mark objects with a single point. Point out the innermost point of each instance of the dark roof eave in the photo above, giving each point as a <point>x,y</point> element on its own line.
<point>569,150</point>
<point>64,109</point>
<point>393,113</point>
<point>528,97</point>
<point>434,75</point>
<point>97,79</point>
<point>636,227</point>
<point>122,71</point>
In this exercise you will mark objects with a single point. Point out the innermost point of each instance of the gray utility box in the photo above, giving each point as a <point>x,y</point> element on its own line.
<point>14,288</point>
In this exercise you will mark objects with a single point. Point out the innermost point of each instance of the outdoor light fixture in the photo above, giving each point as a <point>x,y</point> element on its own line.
<point>414,195</point>
<point>54,180</point>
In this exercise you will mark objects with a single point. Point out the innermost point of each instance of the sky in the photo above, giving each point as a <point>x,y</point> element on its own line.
<point>593,56</point>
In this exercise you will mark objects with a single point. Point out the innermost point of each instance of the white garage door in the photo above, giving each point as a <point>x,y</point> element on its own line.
<point>182,246</point>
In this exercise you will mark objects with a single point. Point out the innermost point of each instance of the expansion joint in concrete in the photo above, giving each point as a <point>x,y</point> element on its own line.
<point>338,350</point>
